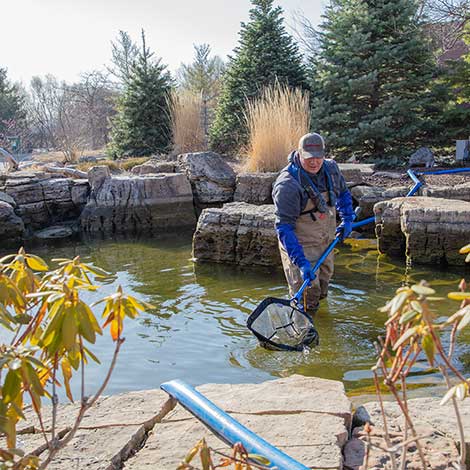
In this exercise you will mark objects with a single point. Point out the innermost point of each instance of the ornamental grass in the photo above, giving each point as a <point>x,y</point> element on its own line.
<point>275,123</point>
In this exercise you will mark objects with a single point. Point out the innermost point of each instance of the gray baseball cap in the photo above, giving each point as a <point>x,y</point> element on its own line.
<point>312,146</point>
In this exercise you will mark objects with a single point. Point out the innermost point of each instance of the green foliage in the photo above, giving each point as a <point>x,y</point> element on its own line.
<point>266,53</point>
<point>371,80</point>
<point>52,329</point>
<point>12,110</point>
<point>457,78</point>
<point>142,124</point>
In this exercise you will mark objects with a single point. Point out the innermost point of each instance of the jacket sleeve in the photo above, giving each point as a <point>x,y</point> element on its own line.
<point>287,202</point>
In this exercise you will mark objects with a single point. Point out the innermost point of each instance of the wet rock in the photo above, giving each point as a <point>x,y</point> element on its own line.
<point>429,230</point>
<point>150,168</point>
<point>147,204</point>
<point>237,233</point>
<point>11,226</point>
<point>211,177</point>
<point>422,157</point>
<point>54,233</point>
<point>254,188</point>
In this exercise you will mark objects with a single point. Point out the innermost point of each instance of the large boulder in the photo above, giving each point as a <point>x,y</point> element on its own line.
<point>150,204</point>
<point>152,168</point>
<point>237,233</point>
<point>367,196</point>
<point>422,157</point>
<point>429,230</point>
<point>212,178</point>
<point>11,226</point>
<point>42,202</point>
<point>254,188</point>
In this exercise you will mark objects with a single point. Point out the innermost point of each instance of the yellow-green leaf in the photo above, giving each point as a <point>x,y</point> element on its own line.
<point>404,337</point>
<point>429,348</point>
<point>416,306</point>
<point>69,330</point>
<point>67,373</point>
<point>465,249</point>
<point>36,263</point>
<point>259,459</point>
<point>450,393</point>
<point>422,290</point>
<point>465,321</point>
<point>408,316</point>
<point>458,295</point>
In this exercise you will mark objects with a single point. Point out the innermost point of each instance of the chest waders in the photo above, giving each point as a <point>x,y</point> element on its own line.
<point>315,229</point>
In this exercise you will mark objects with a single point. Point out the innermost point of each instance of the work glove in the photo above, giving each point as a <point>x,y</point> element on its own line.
<point>344,229</point>
<point>306,271</point>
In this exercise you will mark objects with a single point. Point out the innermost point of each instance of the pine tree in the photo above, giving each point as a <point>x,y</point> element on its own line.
<point>266,53</point>
<point>12,110</point>
<point>371,78</point>
<point>142,124</point>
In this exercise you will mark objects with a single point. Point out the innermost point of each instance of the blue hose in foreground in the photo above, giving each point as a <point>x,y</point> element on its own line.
<point>227,428</point>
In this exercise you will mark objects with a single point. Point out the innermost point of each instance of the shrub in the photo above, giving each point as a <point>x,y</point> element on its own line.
<point>186,122</point>
<point>51,330</point>
<point>275,123</point>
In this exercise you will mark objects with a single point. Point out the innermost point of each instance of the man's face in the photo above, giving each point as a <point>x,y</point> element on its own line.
<point>312,165</point>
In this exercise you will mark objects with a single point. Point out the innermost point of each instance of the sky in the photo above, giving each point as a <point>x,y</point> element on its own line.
<point>68,37</point>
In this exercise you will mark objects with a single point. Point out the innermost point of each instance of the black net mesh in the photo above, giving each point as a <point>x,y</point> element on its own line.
<point>278,325</point>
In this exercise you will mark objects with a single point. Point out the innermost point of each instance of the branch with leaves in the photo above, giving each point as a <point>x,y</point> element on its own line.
<point>51,329</point>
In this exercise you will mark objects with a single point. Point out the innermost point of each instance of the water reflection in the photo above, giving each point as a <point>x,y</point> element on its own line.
<point>197,331</point>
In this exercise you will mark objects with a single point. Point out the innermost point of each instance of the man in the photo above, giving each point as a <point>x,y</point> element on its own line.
<point>306,195</point>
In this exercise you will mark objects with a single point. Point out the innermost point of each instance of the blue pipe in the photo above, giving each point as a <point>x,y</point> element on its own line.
<point>443,172</point>
<point>227,428</point>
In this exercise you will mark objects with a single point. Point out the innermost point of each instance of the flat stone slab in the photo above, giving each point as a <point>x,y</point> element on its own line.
<point>307,418</point>
<point>437,423</point>
<point>115,427</point>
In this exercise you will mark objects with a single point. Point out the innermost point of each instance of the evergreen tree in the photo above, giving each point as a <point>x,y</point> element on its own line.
<point>142,123</point>
<point>266,53</point>
<point>457,114</point>
<point>203,77</point>
<point>371,78</point>
<point>12,110</point>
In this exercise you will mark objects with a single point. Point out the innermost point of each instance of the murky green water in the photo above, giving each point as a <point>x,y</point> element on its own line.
<point>197,332</point>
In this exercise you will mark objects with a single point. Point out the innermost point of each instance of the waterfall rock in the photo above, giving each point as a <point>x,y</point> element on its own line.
<point>42,202</point>
<point>254,188</point>
<point>211,177</point>
<point>459,191</point>
<point>150,168</point>
<point>237,233</point>
<point>11,226</point>
<point>430,230</point>
<point>147,204</point>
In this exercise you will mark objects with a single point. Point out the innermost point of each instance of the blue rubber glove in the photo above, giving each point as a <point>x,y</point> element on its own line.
<point>306,271</point>
<point>344,229</point>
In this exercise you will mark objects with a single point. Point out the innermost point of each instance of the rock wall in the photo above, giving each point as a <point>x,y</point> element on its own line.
<point>429,230</point>
<point>148,204</point>
<point>42,202</point>
<point>238,233</point>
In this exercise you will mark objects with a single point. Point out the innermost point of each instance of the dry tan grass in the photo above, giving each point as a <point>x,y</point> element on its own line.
<point>275,123</point>
<point>186,120</point>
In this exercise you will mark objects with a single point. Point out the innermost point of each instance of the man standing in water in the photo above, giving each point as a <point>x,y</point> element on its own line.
<point>307,194</point>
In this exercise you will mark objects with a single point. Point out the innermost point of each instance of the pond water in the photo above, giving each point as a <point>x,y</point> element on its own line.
<point>197,331</point>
